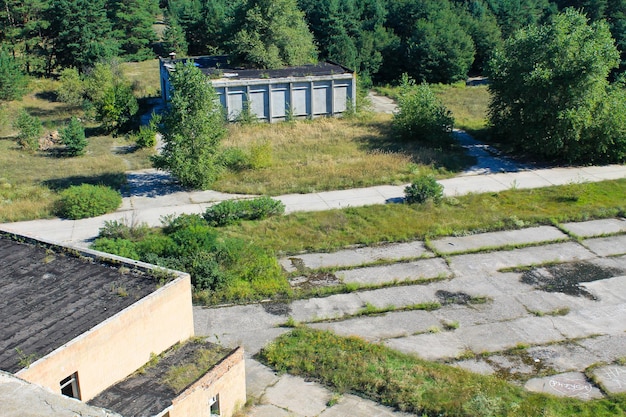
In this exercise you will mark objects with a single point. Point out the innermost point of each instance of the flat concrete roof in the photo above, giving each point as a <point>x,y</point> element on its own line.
<point>35,401</point>
<point>50,294</point>
<point>147,391</point>
<point>218,67</point>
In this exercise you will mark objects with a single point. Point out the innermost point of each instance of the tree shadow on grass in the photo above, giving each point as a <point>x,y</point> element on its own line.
<point>114,180</point>
<point>449,156</point>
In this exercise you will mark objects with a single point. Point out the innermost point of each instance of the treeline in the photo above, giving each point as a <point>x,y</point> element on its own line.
<point>430,40</point>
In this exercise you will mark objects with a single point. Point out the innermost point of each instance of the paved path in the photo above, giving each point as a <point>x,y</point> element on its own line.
<point>152,195</point>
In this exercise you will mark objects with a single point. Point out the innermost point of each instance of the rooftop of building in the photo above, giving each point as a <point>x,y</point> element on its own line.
<point>20,398</point>
<point>151,389</point>
<point>51,294</point>
<point>219,67</point>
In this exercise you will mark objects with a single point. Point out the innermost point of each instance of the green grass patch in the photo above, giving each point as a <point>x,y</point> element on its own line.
<point>334,229</point>
<point>468,105</point>
<point>414,385</point>
<point>332,154</point>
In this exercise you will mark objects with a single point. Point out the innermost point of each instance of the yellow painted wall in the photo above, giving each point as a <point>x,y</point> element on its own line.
<point>228,379</point>
<point>120,345</point>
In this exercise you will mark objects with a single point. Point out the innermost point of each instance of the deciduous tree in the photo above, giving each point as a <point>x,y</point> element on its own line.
<point>272,34</point>
<point>551,95</point>
<point>192,129</point>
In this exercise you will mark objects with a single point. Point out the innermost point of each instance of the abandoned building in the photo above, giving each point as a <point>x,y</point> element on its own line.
<point>113,333</point>
<point>307,91</point>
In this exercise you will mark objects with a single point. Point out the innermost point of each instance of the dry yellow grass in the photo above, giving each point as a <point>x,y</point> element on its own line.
<point>326,154</point>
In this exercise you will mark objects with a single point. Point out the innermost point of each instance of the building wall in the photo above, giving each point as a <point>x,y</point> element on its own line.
<point>276,99</point>
<point>120,345</point>
<point>227,380</point>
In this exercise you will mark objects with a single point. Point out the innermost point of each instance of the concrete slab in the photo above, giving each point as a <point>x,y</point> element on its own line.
<point>353,406</point>
<point>258,378</point>
<point>404,271</point>
<point>541,302</point>
<point>475,242</point>
<point>608,348</point>
<point>586,322</point>
<point>357,256</point>
<point>504,308</point>
<point>596,227</point>
<point>471,184</point>
<point>399,296</point>
<point>307,399</point>
<point>269,410</point>
<point>249,326</point>
<point>605,172</point>
<point>571,384</point>
<point>607,246</point>
<point>535,330</point>
<point>487,263</point>
<point>511,365</point>
<point>430,346</point>
<point>612,378</point>
<point>489,337</point>
<point>609,291</point>
<point>563,357</point>
<point>327,307</point>
<point>390,325</point>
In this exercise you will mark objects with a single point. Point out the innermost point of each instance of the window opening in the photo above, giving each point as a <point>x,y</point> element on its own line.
<point>214,404</point>
<point>69,386</point>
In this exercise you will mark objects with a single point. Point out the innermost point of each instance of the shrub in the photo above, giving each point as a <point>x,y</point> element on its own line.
<point>421,115</point>
<point>146,137</point>
<point>235,159</point>
<point>119,247</point>
<point>229,212</point>
<point>424,188</point>
<point>73,137</point>
<point>72,88</point>
<point>261,155</point>
<point>86,200</point>
<point>29,130</point>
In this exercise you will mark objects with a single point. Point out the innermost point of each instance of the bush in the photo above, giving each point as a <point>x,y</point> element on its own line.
<point>229,212</point>
<point>79,202</point>
<point>261,155</point>
<point>235,159</point>
<point>73,137</point>
<point>421,115</point>
<point>29,130</point>
<point>119,247</point>
<point>424,188</point>
<point>72,88</point>
<point>146,137</point>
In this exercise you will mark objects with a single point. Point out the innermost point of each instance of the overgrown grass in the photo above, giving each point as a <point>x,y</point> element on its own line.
<point>329,154</point>
<point>334,229</point>
<point>144,76</point>
<point>467,104</point>
<point>29,182</point>
<point>414,385</point>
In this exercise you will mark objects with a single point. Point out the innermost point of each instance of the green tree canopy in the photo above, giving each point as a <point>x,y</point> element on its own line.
<point>192,129</point>
<point>272,34</point>
<point>432,46</point>
<point>80,33</point>
<point>12,81</point>
<point>550,94</point>
<point>132,25</point>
